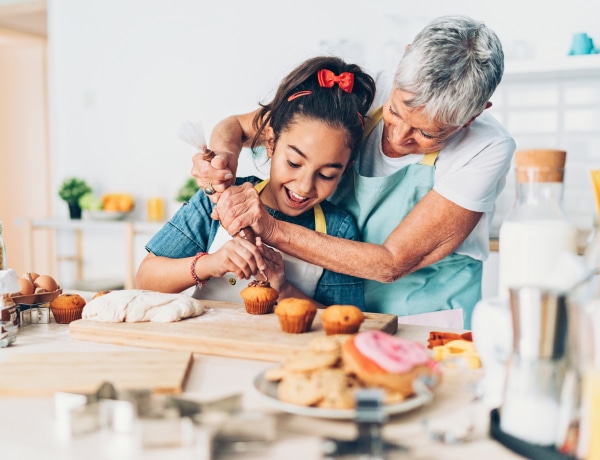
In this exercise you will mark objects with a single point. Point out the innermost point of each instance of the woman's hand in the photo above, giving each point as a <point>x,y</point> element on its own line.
<point>275,268</point>
<point>240,207</point>
<point>218,172</point>
<point>275,272</point>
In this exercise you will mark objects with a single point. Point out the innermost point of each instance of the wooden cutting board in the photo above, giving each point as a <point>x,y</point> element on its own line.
<point>225,329</point>
<point>42,374</point>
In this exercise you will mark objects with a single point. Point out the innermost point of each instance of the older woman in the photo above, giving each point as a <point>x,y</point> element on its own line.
<point>424,185</point>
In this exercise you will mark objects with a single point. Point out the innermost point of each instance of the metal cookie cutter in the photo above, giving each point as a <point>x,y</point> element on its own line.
<point>370,419</point>
<point>37,313</point>
<point>164,421</point>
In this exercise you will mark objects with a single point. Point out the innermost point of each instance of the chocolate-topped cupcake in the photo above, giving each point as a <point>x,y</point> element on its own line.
<point>259,297</point>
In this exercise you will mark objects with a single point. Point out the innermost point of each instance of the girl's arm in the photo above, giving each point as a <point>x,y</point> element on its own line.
<point>164,274</point>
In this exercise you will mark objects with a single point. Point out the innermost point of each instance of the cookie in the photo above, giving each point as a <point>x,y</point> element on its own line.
<point>342,399</point>
<point>275,374</point>
<point>308,360</point>
<point>299,388</point>
<point>324,344</point>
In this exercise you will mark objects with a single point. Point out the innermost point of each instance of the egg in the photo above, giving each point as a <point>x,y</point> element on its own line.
<point>31,276</point>
<point>27,286</point>
<point>46,282</point>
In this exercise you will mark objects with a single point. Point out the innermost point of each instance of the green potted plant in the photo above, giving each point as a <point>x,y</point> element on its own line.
<point>187,190</point>
<point>71,190</point>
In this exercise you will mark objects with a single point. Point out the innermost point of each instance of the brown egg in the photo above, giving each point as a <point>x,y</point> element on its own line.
<point>46,282</point>
<point>27,286</point>
<point>31,276</point>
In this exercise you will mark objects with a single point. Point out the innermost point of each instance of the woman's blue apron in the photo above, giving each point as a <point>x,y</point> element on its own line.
<point>448,287</point>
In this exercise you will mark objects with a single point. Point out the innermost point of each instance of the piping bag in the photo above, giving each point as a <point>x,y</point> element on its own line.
<point>193,134</point>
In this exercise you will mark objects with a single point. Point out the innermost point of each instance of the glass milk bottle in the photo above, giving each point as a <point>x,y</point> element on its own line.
<point>537,231</point>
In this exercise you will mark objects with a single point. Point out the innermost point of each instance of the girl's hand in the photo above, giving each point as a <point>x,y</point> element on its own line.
<point>237,256</point>
<point>240,207</point>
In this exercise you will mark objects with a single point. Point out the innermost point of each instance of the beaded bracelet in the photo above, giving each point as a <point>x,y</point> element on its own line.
<point>197,280</point>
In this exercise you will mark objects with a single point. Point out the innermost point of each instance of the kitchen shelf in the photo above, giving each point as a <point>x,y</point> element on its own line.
<point>128,230</point>
<point>567,66</point>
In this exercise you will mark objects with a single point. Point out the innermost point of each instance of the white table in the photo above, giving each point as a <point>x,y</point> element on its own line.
<point>28,426</point>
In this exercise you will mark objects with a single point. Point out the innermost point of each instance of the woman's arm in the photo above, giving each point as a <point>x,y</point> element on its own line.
<point>431,231</point>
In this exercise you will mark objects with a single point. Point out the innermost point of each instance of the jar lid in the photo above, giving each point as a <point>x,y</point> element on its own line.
<point>540,165</point>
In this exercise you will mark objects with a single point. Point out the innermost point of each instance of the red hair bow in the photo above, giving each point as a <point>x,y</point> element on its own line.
<point>327,79</point>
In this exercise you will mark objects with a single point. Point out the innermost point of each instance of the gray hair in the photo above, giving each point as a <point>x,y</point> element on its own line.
<point>451,68</point>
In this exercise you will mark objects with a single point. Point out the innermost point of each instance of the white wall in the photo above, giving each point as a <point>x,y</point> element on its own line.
<point>125,73</point>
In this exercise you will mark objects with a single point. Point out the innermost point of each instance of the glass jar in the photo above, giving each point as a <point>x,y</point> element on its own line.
<point>592,257</point>
<point>9,320</point>
<point>537,231</point>
<point>3,264</point>
<point>592,251</point>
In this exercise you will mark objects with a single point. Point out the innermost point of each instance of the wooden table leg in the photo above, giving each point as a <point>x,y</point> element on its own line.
<point>129,256</point>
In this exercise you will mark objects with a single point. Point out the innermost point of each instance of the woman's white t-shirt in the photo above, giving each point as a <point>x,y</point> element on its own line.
<point>470,170</point>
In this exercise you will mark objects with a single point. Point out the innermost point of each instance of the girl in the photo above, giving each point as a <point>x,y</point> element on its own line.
<point>311,131</point>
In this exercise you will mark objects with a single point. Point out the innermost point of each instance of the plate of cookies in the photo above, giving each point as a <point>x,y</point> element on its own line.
<point>321,381</point>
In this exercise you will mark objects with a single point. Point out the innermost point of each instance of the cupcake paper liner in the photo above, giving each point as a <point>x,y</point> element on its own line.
<point>259,308</point>
<point>296,325</point>
<point>66,316</point>
<point>332,329</point>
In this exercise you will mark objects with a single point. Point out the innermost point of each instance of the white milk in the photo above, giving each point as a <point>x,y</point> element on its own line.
<point>530,417</point>
<point>529,251</point>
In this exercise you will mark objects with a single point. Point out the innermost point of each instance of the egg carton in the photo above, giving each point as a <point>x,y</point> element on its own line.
<point>36,298</point>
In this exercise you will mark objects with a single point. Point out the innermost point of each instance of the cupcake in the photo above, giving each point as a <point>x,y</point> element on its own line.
<point>67,307</point>
<point>342,319</point>
<point>101,293</point>
<point>295,315</point>
<point>259,297</point>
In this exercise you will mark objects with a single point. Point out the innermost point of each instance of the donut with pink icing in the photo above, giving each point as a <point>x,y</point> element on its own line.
<point>379,359</point>
<point>393,354</point>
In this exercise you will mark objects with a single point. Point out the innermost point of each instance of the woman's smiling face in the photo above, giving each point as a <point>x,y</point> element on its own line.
<point>307,163</point>
<point>408,130</point>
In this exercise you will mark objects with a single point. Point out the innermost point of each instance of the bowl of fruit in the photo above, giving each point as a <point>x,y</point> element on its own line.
<point>110,206</point>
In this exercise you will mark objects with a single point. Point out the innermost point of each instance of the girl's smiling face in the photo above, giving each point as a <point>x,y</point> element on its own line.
<point>307,163</point>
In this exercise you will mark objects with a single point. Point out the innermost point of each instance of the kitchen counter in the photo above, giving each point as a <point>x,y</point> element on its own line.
<point>29,427</point>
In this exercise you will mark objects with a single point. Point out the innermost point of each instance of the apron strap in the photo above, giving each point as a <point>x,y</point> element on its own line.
<point>372,120</point>
<point>320,222</point>
<point>430,158</point>
<point>261,185</point>
<point>375,117</point>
